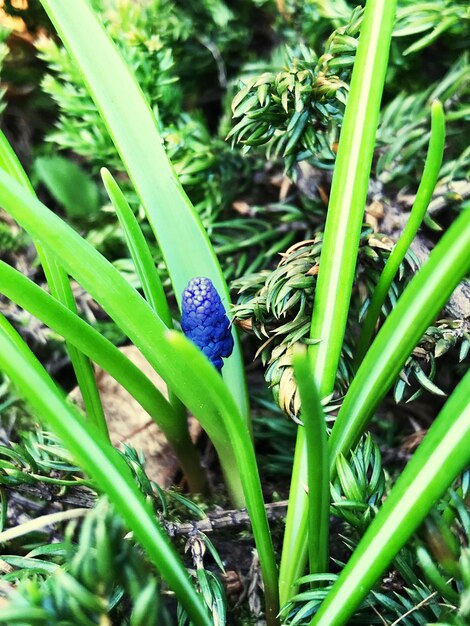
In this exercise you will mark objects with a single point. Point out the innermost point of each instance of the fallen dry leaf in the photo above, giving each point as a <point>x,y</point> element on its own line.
<point>129,423</point>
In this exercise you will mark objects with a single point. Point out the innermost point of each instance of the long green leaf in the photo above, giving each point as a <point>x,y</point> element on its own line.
<point>78,333</point>
<point>10,163</point>
<point>131,124</point>
<point>419,304</point>
<point>178,361</point>
<point>339,252</point>
<point>426,187</point>
<point>60,288</point>
<point>318,484</point>
<point>443,454</point>
<point>145,267</point>
<point>99,459</point>
<point>239,434</point>
<point>128,309</point>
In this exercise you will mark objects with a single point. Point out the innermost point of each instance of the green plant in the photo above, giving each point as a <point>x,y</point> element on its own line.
<point>99,573</point>
<point>95,270</point>
<point>172,49</point>
<point>104,572</point>
<point>219,402</point>
<point>334,284</point>
<point>277,307</point>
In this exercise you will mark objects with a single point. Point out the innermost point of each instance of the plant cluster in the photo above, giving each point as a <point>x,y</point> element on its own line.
<point>105,578</point>
<point>344,313</point>
<point>298,111</point>
<point>96,574</point>
<point>168,46</point>
<point>277,307</point>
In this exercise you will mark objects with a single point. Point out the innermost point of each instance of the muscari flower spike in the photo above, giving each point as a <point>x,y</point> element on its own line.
<point>205,322</point>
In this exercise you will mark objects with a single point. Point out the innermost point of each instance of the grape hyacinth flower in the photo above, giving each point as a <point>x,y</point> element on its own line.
<point>205,322</point>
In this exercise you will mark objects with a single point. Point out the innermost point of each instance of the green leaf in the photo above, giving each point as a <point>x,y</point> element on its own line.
<point>425,381</point>
<point>419,304</point>
<point>339,252</point>
<point>148,274</point>
<point>145,267</point>
<point>85,338</point>
<point>69,185</point>
<point>426,187</point>
<point>313,417</point>
<point>443,454</point>
<point>26,615</point>
<point>35,565</point>
<point>131,124</point>
<point>101,461</point>
<point>128,309</point>
<point>60,288</point>
<point>212,388</point>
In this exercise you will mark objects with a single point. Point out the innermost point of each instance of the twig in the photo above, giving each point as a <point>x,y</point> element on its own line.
<point>223,519</point>
<point>40,522</point>
<point>74,496</point>
<point>415,608</point>
<point>215,520</point>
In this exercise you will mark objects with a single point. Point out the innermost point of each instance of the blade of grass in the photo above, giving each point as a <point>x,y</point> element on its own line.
<point>130,312</point>
<point>10,163</point>
<point>40,522</point>
<point>131,124</point>
<point>238,432</point>
<point>419,304</point>
<point>99,459</point>
<point>443,454</point>
<point>140,253</point>
<point>25,615</point>
<point>145,267</point>
<point>60,288</point>
<point>78,333</point>
<point>426,187</point>
<point>339,253</point>
<point>317,464</point>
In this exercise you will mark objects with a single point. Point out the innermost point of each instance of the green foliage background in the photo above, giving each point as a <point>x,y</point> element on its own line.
<point>248,98</point>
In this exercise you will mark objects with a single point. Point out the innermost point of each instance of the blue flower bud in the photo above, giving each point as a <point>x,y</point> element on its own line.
<point>204,321</point>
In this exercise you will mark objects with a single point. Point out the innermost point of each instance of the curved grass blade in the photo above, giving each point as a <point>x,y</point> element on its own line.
<point>419,304</point>
<point>339,253</point>
<point>426,187</point>
<point>317,464</point>
<point>60,288</point>
<point>238,432</point>
<point>10,163</point>
<point>443,454</point>
<point>145,267</point>
<point>130,312</point>
<point>99,459</point>
<point>78,333</point>
<point>131,124</point>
